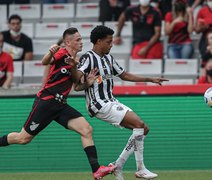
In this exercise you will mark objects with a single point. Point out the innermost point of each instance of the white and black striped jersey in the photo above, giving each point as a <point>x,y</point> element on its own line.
<point>101,91</point>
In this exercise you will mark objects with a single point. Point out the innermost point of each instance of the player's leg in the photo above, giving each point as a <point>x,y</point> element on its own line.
<point>132,121</point>
<point>73,120</point>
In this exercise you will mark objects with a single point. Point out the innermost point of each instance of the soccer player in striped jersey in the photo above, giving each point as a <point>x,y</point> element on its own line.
<point>103,105</point>
<point>51,103</point>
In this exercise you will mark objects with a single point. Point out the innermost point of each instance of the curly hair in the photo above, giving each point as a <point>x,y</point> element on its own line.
<point>100,32</point>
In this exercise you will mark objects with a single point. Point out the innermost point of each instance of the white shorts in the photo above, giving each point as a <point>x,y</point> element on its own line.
<point>113,113</point>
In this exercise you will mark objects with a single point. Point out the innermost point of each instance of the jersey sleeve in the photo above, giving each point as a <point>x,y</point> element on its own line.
<point>117,69</point>
<point>84,64</point>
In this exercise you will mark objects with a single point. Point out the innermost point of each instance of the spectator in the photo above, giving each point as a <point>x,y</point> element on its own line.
<point>110,10</point>
<point>208,53</point>
<point>54,1</point>
<point>16,43</point>
<point>165,7</point>
<point>207,77</point>
<point>178,26</point>
<point>204,25</point>
<point>196,5</point>
<point>146,22</point>
<point>6,67</point>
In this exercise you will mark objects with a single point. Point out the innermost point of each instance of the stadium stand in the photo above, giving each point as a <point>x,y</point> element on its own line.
<point>49,30</point>
<point>28,12</point>
<point>181,69</point>
<point>87,12</point>
<point>33,72</point>
<point>3,14</point>
<point>18,73</point>
<point>85,27</point>
<point>44,23</point>
<point>58,12</point>
<point>126,31</point>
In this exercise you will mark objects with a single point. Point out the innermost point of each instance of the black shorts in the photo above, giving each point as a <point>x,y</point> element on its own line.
<point>45,111</point>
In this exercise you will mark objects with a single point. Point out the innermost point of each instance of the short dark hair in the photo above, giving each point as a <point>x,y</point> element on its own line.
<point>14,16</point>
<point>100,32</point>
<point>69,31</point>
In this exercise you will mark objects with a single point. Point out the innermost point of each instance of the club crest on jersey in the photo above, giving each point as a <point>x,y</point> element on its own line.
<point>67,59</point>
<point>99,79</point>
<point>119,108</point>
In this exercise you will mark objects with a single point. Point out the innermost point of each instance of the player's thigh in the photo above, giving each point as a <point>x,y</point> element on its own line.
<point>72,119</point>
<point>80,125</point>
<point>113,113</point>
<point>41,115</point>
<point>131,120</point>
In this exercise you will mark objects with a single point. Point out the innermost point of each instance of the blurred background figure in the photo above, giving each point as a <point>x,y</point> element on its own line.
<point>14,1</point>
<point>196,5</point>
<point>110,10</point>
<point>208,53</point>
<point>16,43</point>
<point>6,67</point>
<point>204,25</point>
<point>207,77</point>
<point>146,22</point>
<point>179,26</point>
<point>54,1</point>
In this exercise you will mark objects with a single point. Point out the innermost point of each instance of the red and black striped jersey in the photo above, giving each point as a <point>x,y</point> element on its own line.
<point>59,81</point>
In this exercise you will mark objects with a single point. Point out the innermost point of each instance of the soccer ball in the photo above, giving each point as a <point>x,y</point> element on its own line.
<point>208,97</point>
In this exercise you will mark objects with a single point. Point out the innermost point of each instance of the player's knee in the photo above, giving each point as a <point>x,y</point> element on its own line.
<point>87,131</point>
<point>139,124</point>
<point>146,129</point>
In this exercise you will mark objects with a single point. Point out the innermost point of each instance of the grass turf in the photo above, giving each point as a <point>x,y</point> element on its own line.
<point>163,175</point>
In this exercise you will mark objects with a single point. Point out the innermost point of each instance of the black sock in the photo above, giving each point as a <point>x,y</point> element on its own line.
<point>92,157</point>
<point>3,141</point>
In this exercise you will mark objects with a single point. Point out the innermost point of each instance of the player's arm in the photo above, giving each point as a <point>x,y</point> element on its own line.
<point>87,82</point>
<point>126,76</point>
<point>48,57</point>
<point>28,56</point>
<point>8,81</point>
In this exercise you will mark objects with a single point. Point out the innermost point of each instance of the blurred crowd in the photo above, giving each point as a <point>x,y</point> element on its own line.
<point>178,19</point>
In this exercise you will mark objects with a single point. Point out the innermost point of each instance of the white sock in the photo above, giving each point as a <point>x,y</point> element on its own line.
<point>127,151</point>
<point>139,147</point>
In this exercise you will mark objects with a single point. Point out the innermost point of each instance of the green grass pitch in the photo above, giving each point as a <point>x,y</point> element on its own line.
<point>163,175</point>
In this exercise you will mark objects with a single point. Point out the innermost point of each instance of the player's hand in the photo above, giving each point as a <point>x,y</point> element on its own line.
<point>158,80</point>
<point>53,49</point>
<point>92,77</point>
<point>117,40</point>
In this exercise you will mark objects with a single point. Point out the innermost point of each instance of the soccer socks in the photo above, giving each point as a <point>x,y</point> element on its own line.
<point>92,157</point>
<point>3,141</point>
<point>139,147</point>
<point>127,151</point>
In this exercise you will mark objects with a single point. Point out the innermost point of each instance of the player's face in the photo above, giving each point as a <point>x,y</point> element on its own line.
<point>15,25</point>
<point>74,42</point>
<point>106,44</point>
